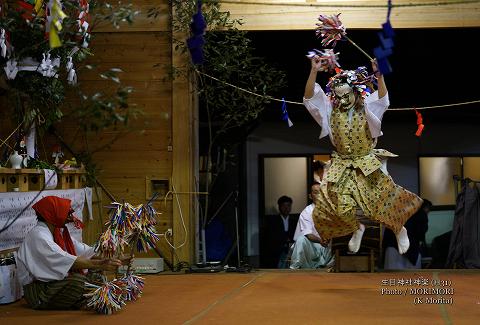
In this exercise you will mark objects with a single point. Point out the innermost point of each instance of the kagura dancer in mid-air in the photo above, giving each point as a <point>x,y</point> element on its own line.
<point>351,115</point>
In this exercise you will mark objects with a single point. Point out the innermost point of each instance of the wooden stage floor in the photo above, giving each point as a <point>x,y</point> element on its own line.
<point>286,297</point>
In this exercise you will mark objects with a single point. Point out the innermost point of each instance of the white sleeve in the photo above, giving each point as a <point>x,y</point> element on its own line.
<point>376,105</point>
<point>319,107</point>
<point>83,250</point>
<point>45,260</point>
<point>375,108</point>
<point>305,222</point>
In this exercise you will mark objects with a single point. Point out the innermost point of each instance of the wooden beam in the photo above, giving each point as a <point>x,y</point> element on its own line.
<point>302,15</point>
<point>142,23</point>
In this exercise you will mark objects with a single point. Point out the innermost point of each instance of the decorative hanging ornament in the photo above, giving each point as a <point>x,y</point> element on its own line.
<point>385,49</point>
<point>39,10</point>
<point>11,69</point>
<point>49,67</point>
<point>26,9</point>
<point>285,113</point>
<point>196,41</point>
<point>71,73</point>
<point>55,15</point>
<point>3,43</point>
<point>83,24</point>
<point>420,125</point>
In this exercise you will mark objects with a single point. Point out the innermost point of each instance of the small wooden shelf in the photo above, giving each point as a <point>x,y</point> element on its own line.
<point>30,179</point>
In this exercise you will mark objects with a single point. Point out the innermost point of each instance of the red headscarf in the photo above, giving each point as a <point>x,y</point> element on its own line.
<point>55,211</point>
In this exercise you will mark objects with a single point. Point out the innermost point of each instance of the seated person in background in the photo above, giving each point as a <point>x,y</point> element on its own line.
<point>416,227</point>
<point>318,167</point>
<point>51,264</point>
<point>279,234</point>
<point>309,250</point>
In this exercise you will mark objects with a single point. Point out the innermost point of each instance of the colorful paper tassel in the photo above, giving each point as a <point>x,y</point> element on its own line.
<point>331,29</point>
<point>133,286</point>
<point>107,298</point>
<point>132,226</point>
<point>328,59</point>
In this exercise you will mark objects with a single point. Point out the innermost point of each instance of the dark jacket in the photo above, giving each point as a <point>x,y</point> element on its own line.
<point>276,240</point>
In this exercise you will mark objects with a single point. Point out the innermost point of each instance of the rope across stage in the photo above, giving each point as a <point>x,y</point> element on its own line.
<point>299,103</point>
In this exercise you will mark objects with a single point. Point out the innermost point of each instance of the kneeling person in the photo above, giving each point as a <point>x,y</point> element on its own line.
<point>51,264</point>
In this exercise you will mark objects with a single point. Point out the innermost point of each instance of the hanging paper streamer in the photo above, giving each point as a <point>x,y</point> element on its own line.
<point>332,30</point>
<point>385,49</point>
<point>39,8</point>
<point>71,73</point>
<point>3,43</point>
<point>83,24</point>
<point>196,41</point>
<point>328,59</point>
<point>11,69</point>
<point>26,8</point>
<point>420,125</point>
<point>49,67</point>
<point>285,113</point>
<point>55,15</point>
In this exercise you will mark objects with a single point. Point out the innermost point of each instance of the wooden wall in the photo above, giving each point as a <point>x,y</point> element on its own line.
<point>303,14</point>
<point>159,144</point>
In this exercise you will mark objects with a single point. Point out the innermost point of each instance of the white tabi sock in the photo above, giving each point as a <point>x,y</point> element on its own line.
<point>402,240</point>
<point>356,240</point>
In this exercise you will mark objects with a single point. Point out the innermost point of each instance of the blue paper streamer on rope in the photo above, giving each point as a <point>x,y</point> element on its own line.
<point>196,41</point>
<point>285,113</point>
<point>385,49</point>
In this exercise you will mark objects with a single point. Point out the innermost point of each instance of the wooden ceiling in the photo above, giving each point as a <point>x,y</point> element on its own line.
<point>303,14</point>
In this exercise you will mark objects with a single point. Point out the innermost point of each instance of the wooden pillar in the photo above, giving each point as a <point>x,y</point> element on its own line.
<point>183,138</point>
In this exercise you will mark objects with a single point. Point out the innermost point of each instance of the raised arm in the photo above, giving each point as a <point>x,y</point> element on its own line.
<point>382,87</point>
<point>312,77</point>
<point>315,100</point>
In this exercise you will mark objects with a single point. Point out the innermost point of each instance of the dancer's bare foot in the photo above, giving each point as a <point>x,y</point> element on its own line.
<point>402,240</point>
<point>356,240</point>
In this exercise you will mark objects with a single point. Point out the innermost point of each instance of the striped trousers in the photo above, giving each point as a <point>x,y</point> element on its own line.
<point>62,294</point>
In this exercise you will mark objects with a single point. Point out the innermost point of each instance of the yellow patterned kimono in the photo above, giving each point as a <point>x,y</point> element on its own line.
<point>354,178</point>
